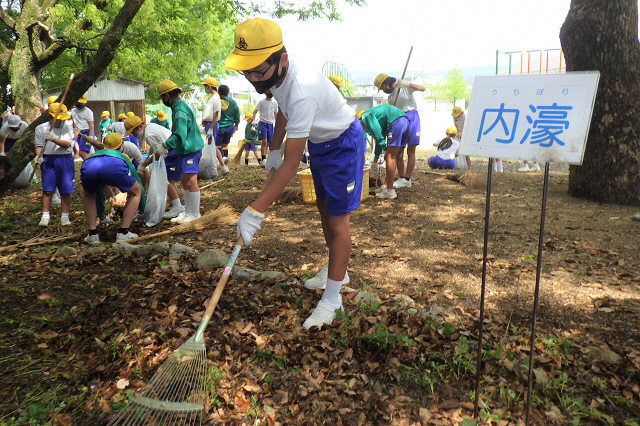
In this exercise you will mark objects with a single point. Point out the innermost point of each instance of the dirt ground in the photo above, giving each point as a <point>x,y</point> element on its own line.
<point>427,244</point>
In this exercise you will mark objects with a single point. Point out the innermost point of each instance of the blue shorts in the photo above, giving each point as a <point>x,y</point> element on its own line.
<point>171,163</point>
<point>207,126</point>
<point>265,131</point>
<point>436,162</point>
<point>223,136</point>
<point>398,132</point>
<point>414,128</point>
<point>250,147</point>
<point>57,171</point>
<point>83,145</point>
<point>188,163</point>
<point>105,170</point>
<point>8,144</point>
<point>337,168</point>
<point>133,140</point>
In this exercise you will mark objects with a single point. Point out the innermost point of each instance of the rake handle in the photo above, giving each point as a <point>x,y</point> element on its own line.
<point>215,298</point>
<point>403,73</point>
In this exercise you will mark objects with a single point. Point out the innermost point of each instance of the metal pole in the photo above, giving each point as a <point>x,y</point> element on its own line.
<point>497,59</point>
<point>482,291</point>
<point>537,290</point>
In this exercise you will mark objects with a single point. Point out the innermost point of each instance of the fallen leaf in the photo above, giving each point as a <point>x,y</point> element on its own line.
<point>252,388</point>
<point>172,309</point>
<point>48,334</point>
<point>122,384</point>
<point>45,296</point>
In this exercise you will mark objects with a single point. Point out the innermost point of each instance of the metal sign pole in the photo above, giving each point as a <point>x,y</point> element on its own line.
<point>537,290</point>
<point>482,291</point>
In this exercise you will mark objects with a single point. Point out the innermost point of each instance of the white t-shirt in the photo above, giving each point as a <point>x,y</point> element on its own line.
<point>118,127</point>
<point>63,132</point>
<point>6,131</point>
<point>459,122</point>
<point>81,117</point>
<point>211,107</point>
<point>406,101</point>
<point>311,104</point>
<point>449,153</point>
<point>155,134</point>
<point>132,151</point>
<point>268,110</point>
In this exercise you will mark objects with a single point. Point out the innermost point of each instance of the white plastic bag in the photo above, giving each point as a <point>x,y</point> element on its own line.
<point>22,181</point>
<point>461,163</point>
<point>157,194</point>
<point>208,166</point>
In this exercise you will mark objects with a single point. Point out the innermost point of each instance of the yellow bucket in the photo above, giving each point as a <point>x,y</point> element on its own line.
<point>309,191</point>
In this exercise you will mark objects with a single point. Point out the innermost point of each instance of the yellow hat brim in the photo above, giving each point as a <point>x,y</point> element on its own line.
<point>82,101</point>
<point>236,61</point>
<point>62,116</point>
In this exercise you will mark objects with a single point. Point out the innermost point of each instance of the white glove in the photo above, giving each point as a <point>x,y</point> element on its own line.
<point>2,154</point>
<point>248,224</point>
<point>210,133</point>
<point>381,159</point>
<point>141,168</point>
<point>159,149</point>
<point>39,160</point>
<point>274,160</point>
<point>403,83</point>
<point>49,136</point>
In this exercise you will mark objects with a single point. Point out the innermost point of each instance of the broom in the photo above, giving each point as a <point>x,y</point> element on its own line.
<point>222,215</point>
<point>236,159</point>
<point>176,394</point>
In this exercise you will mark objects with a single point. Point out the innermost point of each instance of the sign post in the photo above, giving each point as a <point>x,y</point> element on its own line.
<point>543,118</point>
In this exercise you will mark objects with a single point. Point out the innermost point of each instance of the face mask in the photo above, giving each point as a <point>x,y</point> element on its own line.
<point>80,106</point>
<point>14,129</point>
<point>263,86</point>
<point>140,136</point>
<point>388,90</point>
<point>166,102</point>
<point>58,124</point>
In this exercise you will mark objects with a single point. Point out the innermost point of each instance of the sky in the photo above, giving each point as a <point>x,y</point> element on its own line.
<point>444,34</point>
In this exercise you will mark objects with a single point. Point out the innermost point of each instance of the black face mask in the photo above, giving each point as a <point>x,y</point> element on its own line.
<point>80,106</point>
<point>388,90</point>
<point>166,102</point>
<point>263,86</point>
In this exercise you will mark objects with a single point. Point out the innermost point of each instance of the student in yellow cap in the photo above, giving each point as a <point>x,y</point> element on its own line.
<point>447,151</point>
<point>211,117</point>
<point>56,163</point>
<point>186,141</point>
<point>161,119</point>
<point>268,109</point>
<point>83,123</point>
<point>459,118</point>
<point>118,126</point>
<point>310,109</point>
<point>251,141</point>
<point>105,123</point>
<point>337,81</point>
<point>403,90</point>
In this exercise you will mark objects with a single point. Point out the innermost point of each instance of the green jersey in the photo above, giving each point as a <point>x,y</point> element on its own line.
<point>378,119</point>
<point>104,125</point>
<point>185,134</point>
<point>229,112</point>
<point>164,123</point>
<point>251,133</point>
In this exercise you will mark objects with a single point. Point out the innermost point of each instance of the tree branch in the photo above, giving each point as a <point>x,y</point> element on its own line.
<point>7,20</point>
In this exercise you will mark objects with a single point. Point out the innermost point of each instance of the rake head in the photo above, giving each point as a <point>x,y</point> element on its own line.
<point>175,395</point>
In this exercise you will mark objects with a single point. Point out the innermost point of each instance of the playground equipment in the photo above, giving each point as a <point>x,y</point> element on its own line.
<point>349,89</point>
<point>545,61</point>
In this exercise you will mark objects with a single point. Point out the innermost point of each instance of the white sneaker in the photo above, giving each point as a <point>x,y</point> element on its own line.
<point>224,170</point>
<point>387,194</point>
<point>92,239</point>
<point>188,218</point>
<point>138,216</point>
<point>263,162</point>
<point>173,212</point>
<point>55,200</point>
<point>525,168</point>
<point>65,221</point>
<point>383,187</point>
<point>323,314</point>
<point>44,221</point>
<point>320,279</point>
<point>124,237</point>
<point>402,183</point>
<point>105,220</point>
<point>179,217</point>
<point>535,167</point>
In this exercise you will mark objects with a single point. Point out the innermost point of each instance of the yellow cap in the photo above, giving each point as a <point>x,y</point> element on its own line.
<point>160,114</point>
<point>165,86</point>
<point>113,140</point>
<point>104,114</point>
<point>62,114</point>
<point>132,122</point>
<point>122,115</point>
<point>130,114</point>
<point>248,116</point>
<point>359,113</point>
<point>255,39</point>
<point>336,79</point>
<point>51,99</point>
<point>452,131</point>
<point>455,113</point>
<point>210,81</point>
<point>379,80</point>
<point>83,99</point>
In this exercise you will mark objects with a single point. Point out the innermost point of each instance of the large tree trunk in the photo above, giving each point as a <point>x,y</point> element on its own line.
<point>23,150</point>
<point>603,35</point>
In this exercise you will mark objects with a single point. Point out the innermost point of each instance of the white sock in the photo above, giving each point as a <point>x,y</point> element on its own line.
<point>195,203</point>
<point>47,215</point>
<point>65,216</point>
<point>499,163</point>
<point>494,167</point>
<point>332,293</point>
<point>176,203</point>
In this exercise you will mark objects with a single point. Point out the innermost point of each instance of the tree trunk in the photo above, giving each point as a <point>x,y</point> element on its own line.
<point>23,150</point>
<point>603,35</point>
